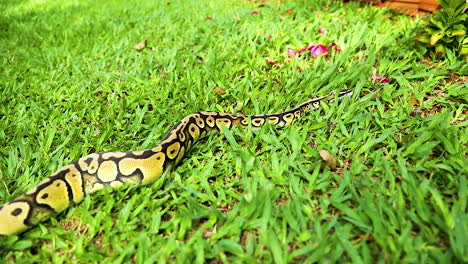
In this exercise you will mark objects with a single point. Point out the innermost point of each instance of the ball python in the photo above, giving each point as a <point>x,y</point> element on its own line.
<point>70,184</point>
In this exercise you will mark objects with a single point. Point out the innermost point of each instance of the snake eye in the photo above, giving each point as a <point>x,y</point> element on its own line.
<point>16,212</point>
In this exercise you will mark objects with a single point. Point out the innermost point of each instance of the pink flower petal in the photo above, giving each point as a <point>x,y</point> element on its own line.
<point>322,30</point>
<point>300,50</point>
<point>255,13</point>
<point>270,37</point>
<point>316,50</point>
<point>290,10</point>
<point>381,79</point>
<point>271,62</point>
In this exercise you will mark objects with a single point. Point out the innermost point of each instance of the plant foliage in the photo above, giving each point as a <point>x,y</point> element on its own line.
<point>446,30</point>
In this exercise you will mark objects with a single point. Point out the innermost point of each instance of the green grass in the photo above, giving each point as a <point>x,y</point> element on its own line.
<point>71,84</point>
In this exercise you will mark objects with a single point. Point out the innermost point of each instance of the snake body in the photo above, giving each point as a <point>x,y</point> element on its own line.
<point>70,184</point>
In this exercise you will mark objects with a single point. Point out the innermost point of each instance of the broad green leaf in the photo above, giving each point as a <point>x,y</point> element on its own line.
<point>437,23</point>
<point>424,38</point>
<point>436,37</point>
<point>456,31</point>
<point>464,50</point>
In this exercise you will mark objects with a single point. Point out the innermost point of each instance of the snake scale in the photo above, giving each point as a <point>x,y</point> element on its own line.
<point>70,184</point>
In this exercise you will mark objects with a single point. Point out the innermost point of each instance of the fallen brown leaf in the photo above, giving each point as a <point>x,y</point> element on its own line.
<point>429,64</point>
<point>413,101</point>
<point>219,91</point>
<point>365,237</point>
<point>330,161</point>
<point>207,233</point>
<point>140,45</point>
<point>439,92</point>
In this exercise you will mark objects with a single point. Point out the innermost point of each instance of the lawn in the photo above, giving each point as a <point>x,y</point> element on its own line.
<point>72,83</point>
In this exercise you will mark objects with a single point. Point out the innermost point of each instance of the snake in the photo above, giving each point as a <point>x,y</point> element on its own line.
<point>71,183</point>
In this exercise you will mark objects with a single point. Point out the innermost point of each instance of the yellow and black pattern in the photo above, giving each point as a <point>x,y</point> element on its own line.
<point>70,184</point>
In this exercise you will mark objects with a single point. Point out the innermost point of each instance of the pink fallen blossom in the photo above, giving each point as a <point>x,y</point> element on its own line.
<point>290,10</point>
<point>334,45</point>
<point>255,13</point>
<point>315,50</point>
<point>322,30</point>
<point>301,50</point>
<point>292,52</point>
<point>270,37</point>
<point>271,62</point>
<point>381,79</point>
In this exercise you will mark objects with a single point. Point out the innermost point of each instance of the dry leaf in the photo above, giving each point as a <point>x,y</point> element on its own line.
<point>207,234</point>
<point>330,161</point>
<point>413,101</point>
<point>208,18</point>
<point>365,237</point>
<point>140,45</point>
<point>429,64</point>
<point>219,91</point>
